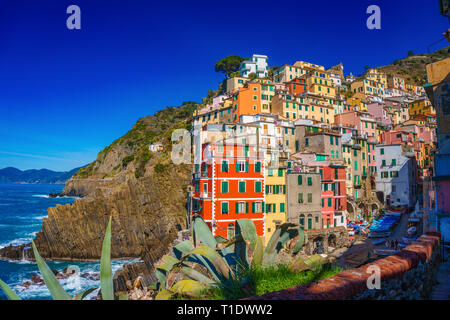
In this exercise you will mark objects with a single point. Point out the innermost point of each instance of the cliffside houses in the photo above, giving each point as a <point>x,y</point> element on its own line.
<point>310,146</point>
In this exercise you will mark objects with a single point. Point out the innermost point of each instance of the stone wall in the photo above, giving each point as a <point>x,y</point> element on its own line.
<point>337,238</point>
<point>408,274</point>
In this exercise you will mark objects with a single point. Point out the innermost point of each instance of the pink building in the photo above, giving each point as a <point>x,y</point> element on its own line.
<point>378,111</point>
<point>362,121</point>
<point>397,137</point>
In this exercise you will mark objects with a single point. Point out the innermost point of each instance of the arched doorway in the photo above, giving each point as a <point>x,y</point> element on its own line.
<point>302,220</point>
<point>318,245</point>
<point>230,231</point>
<point>332,240</point>
<point>351,210</point>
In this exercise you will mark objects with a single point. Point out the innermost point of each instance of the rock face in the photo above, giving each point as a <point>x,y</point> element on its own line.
<point>146,215</point>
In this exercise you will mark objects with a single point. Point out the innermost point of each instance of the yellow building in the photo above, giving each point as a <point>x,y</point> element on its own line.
<point>319,82</point>
<point>368,87</point>
<point>377,76</point>
<point>359,100</point>
<point>275,198</point>
<point>287,73</point>
<point>421,106</point>
<point>208,115</point>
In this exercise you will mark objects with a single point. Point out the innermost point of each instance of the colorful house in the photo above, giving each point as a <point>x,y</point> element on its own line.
<point>229,185</point>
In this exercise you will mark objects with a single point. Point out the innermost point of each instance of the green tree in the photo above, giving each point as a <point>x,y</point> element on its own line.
<point>410,53</point>
<point>228,64</point>
<point>252,76</point>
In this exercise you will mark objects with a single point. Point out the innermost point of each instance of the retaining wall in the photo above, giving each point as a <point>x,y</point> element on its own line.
<point>408,274</point>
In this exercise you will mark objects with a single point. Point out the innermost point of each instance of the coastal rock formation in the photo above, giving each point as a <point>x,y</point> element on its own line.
<point>143,192</point>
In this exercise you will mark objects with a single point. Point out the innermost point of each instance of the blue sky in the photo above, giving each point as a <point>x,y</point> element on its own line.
<point>65,94</point>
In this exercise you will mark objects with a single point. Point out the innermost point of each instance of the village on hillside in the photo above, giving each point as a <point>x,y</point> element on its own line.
<point>346,158</point>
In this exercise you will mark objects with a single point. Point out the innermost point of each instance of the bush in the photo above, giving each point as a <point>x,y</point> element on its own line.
<point>161,168</point>
<point>127,160</point>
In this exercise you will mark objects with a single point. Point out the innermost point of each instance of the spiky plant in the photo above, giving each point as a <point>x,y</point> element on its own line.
<point>224,260</point>
<point>57,291</point>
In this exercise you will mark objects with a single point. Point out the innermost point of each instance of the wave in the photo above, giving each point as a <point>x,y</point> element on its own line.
<point>46,196</point>
<point>15,242</point>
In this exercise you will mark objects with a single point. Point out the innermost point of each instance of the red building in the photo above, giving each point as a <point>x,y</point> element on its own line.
<point>334,199</point>
<point>297,86</point>
<point>229,185</point>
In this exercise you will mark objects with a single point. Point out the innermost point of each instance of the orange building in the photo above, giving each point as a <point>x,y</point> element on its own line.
<point>247,100</point>
<point>229,185</point>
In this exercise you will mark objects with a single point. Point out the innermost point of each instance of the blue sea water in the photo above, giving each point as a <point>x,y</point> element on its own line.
<point>22,208</point>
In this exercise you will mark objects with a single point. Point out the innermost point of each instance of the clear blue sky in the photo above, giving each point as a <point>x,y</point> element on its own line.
<point>65,95</point>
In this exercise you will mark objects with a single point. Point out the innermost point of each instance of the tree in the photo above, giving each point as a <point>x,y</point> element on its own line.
<point>252,76</point>
<point>410,53</point>
<point>229,64</point>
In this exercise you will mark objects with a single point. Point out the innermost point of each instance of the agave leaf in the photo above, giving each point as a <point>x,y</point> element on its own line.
<point>279,238</point>
<point>164,267</point>
<point>300,242</point>
<point>195,275</point>
<point>106,281</point>
<point>315,261</point>
<point>55,288</point>
<point>203,232</point>
<point>220,239</point>
<point>247,228</point>
<point>221,268</point>
<point>10,294</point>
<point>258,253</point>
<point>82,295</point>
<point>164,295</point>
<point>182,248</point>
<point>188,287</point>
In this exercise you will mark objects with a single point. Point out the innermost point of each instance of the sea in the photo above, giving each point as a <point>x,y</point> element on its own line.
<point>22,209</point>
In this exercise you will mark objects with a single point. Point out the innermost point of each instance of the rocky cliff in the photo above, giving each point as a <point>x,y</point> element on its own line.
<point>143,192</point>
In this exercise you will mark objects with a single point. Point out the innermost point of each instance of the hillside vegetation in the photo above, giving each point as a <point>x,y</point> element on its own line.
<point>413,67</point>
<point>131,154</point>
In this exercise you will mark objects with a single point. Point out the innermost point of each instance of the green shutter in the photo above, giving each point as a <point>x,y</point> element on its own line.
<point>246,166</point>
<point>281,207</point>
<point>284,189</point>
<point>274,208</point>
<point>257,166</point>
<point>280,172</point>
<point>267,189</point>
<point>246,207</point>
<point>253,207</point>
<point>267,207</point>
<point>277,189</point>
<point>236,207</point>
<point>309,181</point>
<point>299,180</point>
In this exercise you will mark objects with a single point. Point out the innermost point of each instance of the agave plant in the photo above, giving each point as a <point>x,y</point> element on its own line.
<point>57,291</point>
<point>223,259</point>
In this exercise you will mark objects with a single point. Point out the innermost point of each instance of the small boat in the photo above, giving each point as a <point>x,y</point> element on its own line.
<point>385,252</point>
<point>411,231</point>
<point>378,241</point>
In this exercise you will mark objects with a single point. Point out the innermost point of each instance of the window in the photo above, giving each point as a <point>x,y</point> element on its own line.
<point>306,142</point>
<point>323,203</point>
<point>224,208</point>
<point>299,180</point>
<point>329,202</point>
<point>281,207</point>
<point>224,166</point>
<point>241,207</point>
<point>280,172</point>
<point>309,197</point>
<point>300,198</point>
<point>394,162</point>
<point>257,207</point>
<point>270,173</point>
<point>242,166</point>
<point>258,186</point>
<point>383,163</point>
<point>309,181</point>
<point>257,166</point>
<point>331,140</point>
<point>382,151</point>
<point>224,186</point>
<point>242,186</point>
